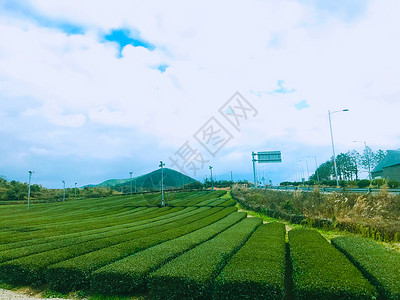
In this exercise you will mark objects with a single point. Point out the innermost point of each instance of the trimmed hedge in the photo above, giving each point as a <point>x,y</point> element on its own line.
<point>83,225</point>
<point>81,238</point>
<point>217,202</point>
<point>379,264</point>
<point>228,202</point>
<point>129,274</point>
<point>320,271</point>
<point>257,271</point>
<point>191,275</point>
<point>119,224</point>
<point>30,269</point>
<point>78,270</point>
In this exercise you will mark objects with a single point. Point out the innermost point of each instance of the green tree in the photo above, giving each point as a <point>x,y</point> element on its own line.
<point>325,170</point>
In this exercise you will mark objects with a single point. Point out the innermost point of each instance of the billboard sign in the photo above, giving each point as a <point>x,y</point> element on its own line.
<point>269,157</point>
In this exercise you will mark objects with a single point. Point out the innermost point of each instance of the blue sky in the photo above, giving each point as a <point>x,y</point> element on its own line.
<point>91,92</point>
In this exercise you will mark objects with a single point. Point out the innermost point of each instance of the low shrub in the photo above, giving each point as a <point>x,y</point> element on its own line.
<point>380,265</point>
<point>32,268</point>
<point>74,273</point>
<point>363,183</point>
<point>129,274</point>
<point>191,275</point>
<point>257,270</point>
<point>320,271</point>
<point>393,184</point>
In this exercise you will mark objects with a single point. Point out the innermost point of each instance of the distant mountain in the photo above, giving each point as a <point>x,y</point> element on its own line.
<point>150,181</point>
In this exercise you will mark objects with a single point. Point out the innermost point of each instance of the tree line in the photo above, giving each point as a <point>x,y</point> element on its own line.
<point>349,165</point>
<point>18,191</point>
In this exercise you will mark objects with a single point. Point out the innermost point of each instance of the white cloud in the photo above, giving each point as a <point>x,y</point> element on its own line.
<point>81,87</point>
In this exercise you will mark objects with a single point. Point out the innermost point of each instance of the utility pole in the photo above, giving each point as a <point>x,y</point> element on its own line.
<point>308,172</point>
<point>130,176</point>
<point>75,188</point>
<point>316,167</point>
<point>333,147</point>
<point>29,186</point>
<point>254,169</point>
<point>64,191</point>
<point>162,183</point>
<point>212,183</point>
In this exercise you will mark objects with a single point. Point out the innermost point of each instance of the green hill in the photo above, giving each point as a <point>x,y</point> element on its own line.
<point>150,181</point>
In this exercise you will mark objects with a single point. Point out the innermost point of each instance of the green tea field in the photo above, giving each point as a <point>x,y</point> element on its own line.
<point>197,247</point>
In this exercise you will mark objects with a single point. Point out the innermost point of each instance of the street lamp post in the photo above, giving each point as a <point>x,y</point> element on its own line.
<point>368,157</point>
<point>162,182</point>
<point>333,146</point>
<point>64,191</point>
<point>316,166</point>
<point>130,176</point>
<point>212,182</point>
<point>308,171</point>
<point>302,171</point>
<point>29,186</point>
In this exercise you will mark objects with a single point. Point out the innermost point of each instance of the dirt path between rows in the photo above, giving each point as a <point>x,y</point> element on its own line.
<point>22,295</point>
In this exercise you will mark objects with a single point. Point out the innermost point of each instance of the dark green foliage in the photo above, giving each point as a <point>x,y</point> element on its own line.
<point>257,271</point>
<point>151,181</point>
<point>322,272</point>
<point>363,183</point>
<point>380,265</point>
<point>129,274</point>
<point>77,270</point>
<point>194,185</point>
<point>393,184</point>
<point>33,267</point>
<point>378,183</point>
<point>191,275</point>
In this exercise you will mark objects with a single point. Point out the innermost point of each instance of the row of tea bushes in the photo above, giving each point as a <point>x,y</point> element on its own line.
<point>379,264</point>
<point>31,268</point>
<point>320,271</point>
<point>257,270</point>
<point>192,274</point>
<point>130,274</point>
<point>74,273</point>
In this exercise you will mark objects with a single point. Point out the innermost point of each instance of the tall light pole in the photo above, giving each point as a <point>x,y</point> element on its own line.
<point>316,166</point>
<point>333,146</point>
<point>368,157</point>
<point>212,183</point>
<point>162,182</point>
<point>64,191</point>
<point>29,186</point>
<point>130,176</point>
<point>308,171</point>
<point>75,188</point>
<point>302,171</point>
